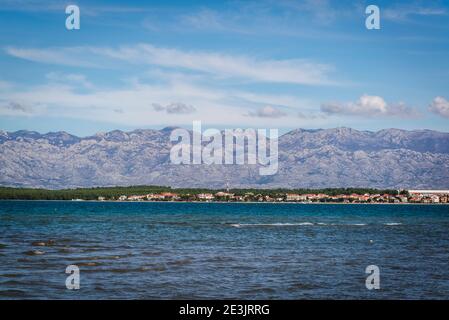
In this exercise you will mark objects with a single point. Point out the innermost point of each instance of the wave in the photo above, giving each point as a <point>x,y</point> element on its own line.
<point>292,224</point>
<point>289,224</point>
<point>278,224</point>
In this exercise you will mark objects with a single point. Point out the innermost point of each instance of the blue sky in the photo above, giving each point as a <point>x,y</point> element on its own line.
<point>264,64</point>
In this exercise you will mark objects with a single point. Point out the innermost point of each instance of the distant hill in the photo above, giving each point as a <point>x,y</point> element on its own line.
<point>340,157</point>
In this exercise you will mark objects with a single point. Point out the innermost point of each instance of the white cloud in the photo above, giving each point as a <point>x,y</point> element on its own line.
<point>228,66</point>
<point>186,85</point>
<point>71,56</point>
<point>267,112</point>
<point>440,106</point>
<point>368,106</point>
<point>131,105</point>
<point>296,71</point>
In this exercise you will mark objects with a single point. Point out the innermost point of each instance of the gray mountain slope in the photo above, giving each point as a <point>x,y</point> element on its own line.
<point>339,157</point>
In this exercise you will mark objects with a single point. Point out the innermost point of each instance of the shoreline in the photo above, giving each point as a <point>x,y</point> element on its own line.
<point>224,202</point>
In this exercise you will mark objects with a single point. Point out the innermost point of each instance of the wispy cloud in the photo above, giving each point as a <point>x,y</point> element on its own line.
<point>368,106</point>
<point>88,8</point>
<point>31,5</point>
<point>291,18</point>
<point>70,56</point>
<point>296,71</point>
<point>206,19</point>
<point>131,104</point>
<point>404,12</point>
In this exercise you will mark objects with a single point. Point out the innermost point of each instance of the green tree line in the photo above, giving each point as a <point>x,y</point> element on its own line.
<point>8,193</point>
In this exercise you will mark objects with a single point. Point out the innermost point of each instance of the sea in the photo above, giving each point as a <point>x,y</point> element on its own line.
<point>167,250</point>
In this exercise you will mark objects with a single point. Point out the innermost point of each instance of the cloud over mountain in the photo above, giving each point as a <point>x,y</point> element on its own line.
<point>440,106</point>
<point>368,106</point>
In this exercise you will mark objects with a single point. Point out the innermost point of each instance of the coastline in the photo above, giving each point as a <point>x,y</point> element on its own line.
<point>224,202</point>
<point>166,194</point>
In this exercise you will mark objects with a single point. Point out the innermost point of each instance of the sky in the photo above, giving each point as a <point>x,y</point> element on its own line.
<point>282,64</point>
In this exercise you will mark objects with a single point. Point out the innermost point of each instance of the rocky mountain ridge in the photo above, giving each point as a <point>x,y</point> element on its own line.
<point>338,157</point>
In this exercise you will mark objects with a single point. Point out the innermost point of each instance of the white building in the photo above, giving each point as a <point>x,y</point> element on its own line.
<point>295,197</point>
<point>205,196</point>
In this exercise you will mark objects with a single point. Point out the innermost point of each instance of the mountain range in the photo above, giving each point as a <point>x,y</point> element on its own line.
<point>321,158</point>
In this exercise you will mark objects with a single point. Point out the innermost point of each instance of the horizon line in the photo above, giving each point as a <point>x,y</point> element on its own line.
<point>2,132</point>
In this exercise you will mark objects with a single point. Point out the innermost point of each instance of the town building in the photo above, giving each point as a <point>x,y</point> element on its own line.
<point>205,196</point>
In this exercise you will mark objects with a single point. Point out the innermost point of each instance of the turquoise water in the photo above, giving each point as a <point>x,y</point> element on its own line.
<point>204,250</point>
